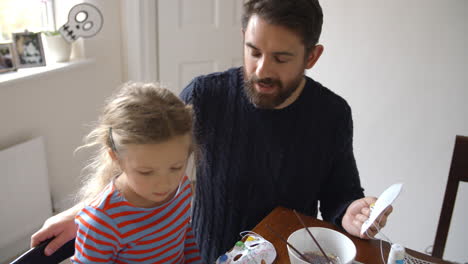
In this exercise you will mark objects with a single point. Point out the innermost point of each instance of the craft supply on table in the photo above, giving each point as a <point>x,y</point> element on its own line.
<point>252,248</point>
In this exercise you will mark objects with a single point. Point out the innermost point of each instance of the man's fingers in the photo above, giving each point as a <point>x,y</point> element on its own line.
<point>365,211</point>
<point>35,240</point>
<point>40,236</point>
<point>389,210</point>
<point>361,218</point>
<point>55,244</point>
<point>382,222</point>
<point>371,233</point>
<point>370,200</point>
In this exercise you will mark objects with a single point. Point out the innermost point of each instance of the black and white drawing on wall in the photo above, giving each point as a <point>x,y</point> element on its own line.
<point>7,57</point>
<point>29,49</point>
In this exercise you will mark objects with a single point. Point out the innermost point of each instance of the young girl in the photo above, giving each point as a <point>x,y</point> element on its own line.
<point>137,199</point>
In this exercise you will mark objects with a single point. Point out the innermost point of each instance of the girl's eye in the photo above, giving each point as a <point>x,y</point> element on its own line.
<point>176,168</point>
<point>145,172</point>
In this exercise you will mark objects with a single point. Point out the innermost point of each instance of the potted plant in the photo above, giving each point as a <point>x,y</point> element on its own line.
<point>58,48</point>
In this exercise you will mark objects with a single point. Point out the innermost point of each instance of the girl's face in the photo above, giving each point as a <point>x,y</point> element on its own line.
<point>152,172</point>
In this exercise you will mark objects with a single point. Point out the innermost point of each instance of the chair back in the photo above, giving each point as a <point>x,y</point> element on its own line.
<point>458,173</point>
<point>36,255</point>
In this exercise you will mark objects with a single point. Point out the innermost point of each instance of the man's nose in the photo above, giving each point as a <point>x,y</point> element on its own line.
<point>264,68</point>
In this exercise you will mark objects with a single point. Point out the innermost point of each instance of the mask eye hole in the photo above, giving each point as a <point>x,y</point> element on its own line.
<point>81,16</point>
<point>88,25</point>
<point>237,257</point>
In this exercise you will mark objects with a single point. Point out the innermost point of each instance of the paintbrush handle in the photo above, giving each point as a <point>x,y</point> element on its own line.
<point>291,246</point>
<point>313,238</point>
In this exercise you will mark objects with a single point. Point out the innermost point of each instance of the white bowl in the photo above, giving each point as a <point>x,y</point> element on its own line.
<point>330,240</point>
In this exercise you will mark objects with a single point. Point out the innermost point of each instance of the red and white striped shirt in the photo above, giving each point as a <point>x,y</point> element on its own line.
<point>111,230</point>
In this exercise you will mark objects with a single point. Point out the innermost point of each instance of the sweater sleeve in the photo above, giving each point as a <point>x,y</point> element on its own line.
<point>343,185</point>
<point>97,239</point>
<point>191,251</point>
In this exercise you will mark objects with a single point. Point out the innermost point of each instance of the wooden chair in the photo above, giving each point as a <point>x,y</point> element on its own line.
<point>458,173</point>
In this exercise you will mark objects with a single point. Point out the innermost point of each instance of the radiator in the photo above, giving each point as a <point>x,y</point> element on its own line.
<point>25,200</point>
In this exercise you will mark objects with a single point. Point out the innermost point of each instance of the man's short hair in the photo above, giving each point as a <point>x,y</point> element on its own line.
<point>305,17</point>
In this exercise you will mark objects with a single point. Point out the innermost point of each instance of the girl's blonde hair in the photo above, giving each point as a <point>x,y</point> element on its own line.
<point>138,113</point>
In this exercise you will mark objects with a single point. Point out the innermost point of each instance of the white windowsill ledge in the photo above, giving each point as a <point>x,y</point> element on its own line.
<point>29,73</point>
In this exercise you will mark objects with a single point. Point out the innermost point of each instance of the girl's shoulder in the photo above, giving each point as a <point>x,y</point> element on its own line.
<point>106,207</point>
<point>108,198</point>
<point>185,186</point>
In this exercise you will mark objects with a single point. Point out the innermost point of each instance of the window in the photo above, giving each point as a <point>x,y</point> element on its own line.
<point>21,15</point>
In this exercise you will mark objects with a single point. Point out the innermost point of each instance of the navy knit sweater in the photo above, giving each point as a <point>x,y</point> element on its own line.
<point>253,160</point>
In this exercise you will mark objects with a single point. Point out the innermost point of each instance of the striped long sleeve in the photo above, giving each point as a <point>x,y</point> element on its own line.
<point>111,230</point>
<point>98,239</point>
<point>191,251</point>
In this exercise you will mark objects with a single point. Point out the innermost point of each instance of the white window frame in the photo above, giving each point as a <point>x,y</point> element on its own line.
<point>48,20</point>
<point>140,39</point>
<point>50,14</point>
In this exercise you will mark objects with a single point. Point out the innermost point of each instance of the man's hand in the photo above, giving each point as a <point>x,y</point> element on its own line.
<point>61,226</point>
<point>358,212</point>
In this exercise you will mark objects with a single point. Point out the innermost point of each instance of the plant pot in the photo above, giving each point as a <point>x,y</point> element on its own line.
<point>58,48</point>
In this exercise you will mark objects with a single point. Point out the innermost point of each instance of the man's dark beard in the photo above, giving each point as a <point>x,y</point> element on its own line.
<point>267,101</point>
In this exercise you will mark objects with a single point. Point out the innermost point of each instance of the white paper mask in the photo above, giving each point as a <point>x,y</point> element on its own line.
<point>253,248</point>
<point>84,20</point>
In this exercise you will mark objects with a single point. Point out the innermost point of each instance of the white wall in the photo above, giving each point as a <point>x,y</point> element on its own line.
<point>59,105</point>
<point>402,66</point>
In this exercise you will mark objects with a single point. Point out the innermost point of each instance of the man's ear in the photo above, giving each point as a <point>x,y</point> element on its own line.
<point>313,56</point>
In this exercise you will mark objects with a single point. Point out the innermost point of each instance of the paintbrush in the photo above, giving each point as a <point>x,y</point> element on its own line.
<point>291,246</point>
<point>312,236</point>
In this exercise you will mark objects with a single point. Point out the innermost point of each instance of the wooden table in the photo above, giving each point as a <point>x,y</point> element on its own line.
<point>284,222</point>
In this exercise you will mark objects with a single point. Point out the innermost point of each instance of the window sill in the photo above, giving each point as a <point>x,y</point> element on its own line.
<point>31,73</point>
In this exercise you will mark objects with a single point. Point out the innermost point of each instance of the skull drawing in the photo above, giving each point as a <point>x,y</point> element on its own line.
<point>84,20</point>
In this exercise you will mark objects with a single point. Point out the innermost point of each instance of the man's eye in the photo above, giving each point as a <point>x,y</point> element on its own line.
<point>255,54</point>
<point>279,60</point>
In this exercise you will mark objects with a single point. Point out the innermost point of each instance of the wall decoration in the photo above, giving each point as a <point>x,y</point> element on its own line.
<point>84,20</point>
